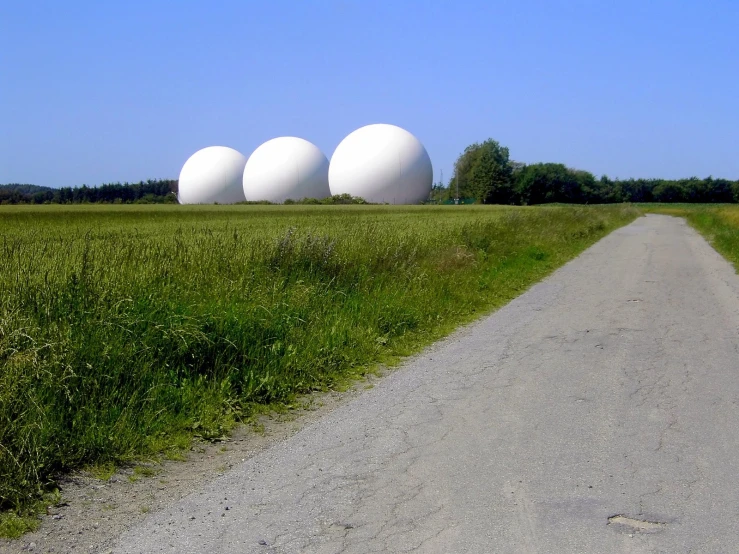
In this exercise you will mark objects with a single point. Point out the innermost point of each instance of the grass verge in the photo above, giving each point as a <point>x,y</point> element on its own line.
<point>126,331</point>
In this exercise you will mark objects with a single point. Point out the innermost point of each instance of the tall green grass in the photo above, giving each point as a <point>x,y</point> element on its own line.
<point>125,329</point>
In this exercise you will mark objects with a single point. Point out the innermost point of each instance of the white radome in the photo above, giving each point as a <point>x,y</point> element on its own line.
<point>212,175</point>
<point>286,168</point>
<point>381,163</point>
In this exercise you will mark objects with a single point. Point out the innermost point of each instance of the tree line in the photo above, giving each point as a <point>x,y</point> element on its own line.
<point>485,174</point>
<point>151,191</point>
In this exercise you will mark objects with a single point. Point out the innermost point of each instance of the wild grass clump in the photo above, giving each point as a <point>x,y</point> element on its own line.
<point>127,330</point>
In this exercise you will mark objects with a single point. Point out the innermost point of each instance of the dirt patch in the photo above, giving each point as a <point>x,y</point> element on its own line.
<point>94,512</point>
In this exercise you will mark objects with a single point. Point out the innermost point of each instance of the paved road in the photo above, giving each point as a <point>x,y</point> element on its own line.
<point>610,390</point>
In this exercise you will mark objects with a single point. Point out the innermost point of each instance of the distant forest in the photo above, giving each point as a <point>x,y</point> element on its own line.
<point>159,191</point>
<point>483,174</point>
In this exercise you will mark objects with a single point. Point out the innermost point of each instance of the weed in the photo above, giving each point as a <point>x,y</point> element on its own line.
<point>14,524</point>
<point>145,471</point>
<point>175,455</point>
<point>102,471</point>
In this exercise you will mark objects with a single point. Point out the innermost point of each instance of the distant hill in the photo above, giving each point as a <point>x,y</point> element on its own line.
<point>25,189</point>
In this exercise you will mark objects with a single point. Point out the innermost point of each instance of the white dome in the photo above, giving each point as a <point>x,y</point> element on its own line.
<point>286,167</point>
<point>212,175</point>
<point>381,163</point>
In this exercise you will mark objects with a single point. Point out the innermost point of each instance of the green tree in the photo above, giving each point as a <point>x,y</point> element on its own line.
<point>484,172</point>
<point>547,182</point>
<point>669,191</point>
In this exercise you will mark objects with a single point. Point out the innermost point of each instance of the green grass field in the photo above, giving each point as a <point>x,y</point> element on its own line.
<point>127,330</point>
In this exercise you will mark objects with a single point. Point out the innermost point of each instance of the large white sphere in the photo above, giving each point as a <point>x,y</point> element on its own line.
<point>381,163</point>
<point>212,175</point>
<point>286,167</point>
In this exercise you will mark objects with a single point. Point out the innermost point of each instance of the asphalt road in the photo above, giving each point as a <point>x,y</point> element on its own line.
<point>596,413</point>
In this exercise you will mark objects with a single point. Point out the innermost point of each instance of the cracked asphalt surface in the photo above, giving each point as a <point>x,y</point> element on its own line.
<point>595,413</point>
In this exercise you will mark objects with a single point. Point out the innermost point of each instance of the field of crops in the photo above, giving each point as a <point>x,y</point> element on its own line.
<point>127,330</point>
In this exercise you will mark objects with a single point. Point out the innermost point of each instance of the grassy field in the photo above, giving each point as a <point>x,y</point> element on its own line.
<point>125,331</point>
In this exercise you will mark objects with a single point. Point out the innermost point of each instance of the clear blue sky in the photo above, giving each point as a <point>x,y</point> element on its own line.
<point>94,92</point>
